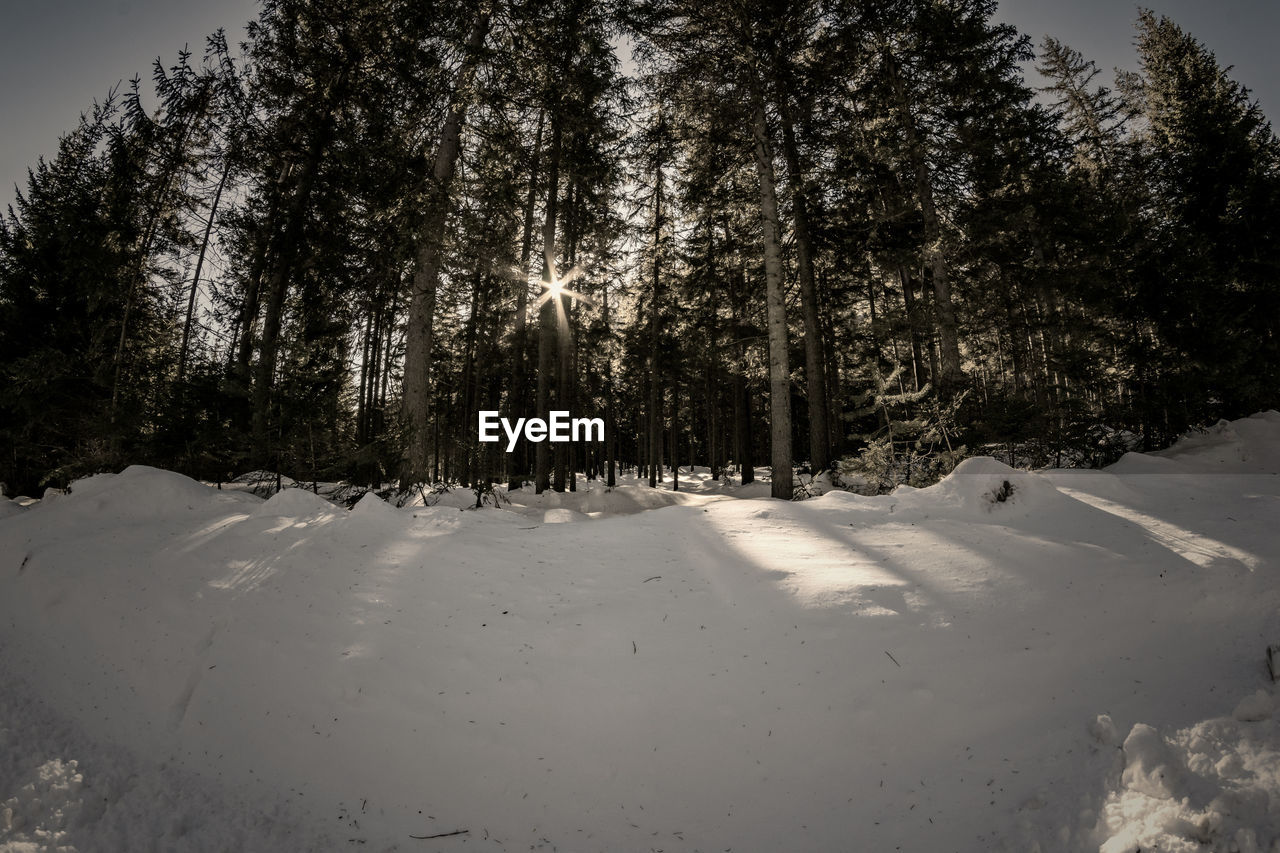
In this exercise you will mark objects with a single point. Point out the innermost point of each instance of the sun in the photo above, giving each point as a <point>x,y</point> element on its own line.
<point>558,286</point>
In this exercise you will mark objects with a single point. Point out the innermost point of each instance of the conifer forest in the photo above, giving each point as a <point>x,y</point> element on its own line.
<point>608,426</point>
<point>872,235</point>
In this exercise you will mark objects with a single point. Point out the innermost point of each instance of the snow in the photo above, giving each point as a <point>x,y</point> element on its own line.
<point>1210,786</point>
<point>109,800</point>
<point>1255,708</point>
<point>1076,666</point>
<point>296,503</point>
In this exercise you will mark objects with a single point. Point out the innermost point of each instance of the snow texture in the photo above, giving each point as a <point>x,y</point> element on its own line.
<point>1007,661</point>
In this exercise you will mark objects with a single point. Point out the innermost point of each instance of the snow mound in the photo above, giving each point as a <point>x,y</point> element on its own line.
<point>372,516</point>
<point>1246,446</point>
<point>142,492</point>
<point>1104,730</point>
<point>373,507</point>
<point>562,515</point>
<point>1151,767</point>
<point>455,497</point>
<point>1212,786</point>
<point>1145,463</point>
<point>982,488</point>
<point>295,503</point>
<point>594,500</point>
<point>1255,708</point>
<point>624,500</point>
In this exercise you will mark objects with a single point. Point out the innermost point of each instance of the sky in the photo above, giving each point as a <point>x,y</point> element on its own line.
<point>57,56</point>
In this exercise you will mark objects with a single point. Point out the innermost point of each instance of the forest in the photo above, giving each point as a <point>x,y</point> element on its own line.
<point>844,236</point>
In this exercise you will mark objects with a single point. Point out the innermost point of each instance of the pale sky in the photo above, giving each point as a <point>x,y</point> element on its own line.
<point>56,56</point>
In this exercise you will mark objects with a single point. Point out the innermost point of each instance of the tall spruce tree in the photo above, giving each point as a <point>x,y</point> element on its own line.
<point>1212,264</point>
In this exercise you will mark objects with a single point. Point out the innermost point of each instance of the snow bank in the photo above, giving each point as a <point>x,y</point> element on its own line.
<point>1211,786</point>
<point>1145,463</point>
<point>982,488</point>
<point>373,507</point>
<point>1246,446</point>
<point>141,493</point>
<point>296,503</point>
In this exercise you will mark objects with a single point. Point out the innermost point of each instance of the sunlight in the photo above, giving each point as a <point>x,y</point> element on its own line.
<point>245,575</point>
<point>203,536</point>
<point>558,286</point>
<point>818,566</point>
<point>1205,551</point>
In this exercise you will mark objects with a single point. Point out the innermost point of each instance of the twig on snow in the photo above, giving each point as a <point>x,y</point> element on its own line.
<point>441,835</point>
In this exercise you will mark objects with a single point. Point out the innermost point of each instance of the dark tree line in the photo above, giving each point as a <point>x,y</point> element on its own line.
<point>822,233</point>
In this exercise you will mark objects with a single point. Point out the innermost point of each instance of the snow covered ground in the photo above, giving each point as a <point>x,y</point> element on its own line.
<point>1078,666</point>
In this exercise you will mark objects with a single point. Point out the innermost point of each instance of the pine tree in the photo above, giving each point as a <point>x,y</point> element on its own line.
<point>426,277</point>
<point>1213,262</point>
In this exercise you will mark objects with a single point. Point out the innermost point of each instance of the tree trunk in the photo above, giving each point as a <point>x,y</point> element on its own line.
<point>834,395</point>
<point>576,452</point>
<point>379,425</point>
<point>426,277</point>
<point>713,444</point>
<point>564,341</point>
<point>564,351</point>
<point>919,376</point>
<point>470,381</point>
<point>743,448</point>
<point>675,435</point>
<point>779,360</point>
<point>742,429</point>
<point>367,377</point>
<point>170,172</point>
<point>195,279</point>
<point>655,416</point>
<point>378,342</point>
<point>277,288</point>
<point>250,305</point>
<point>814,365</point>
<point>935,258</point>
<point>517,404</point>
<point>610,422</point>
<point>547,331</point>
